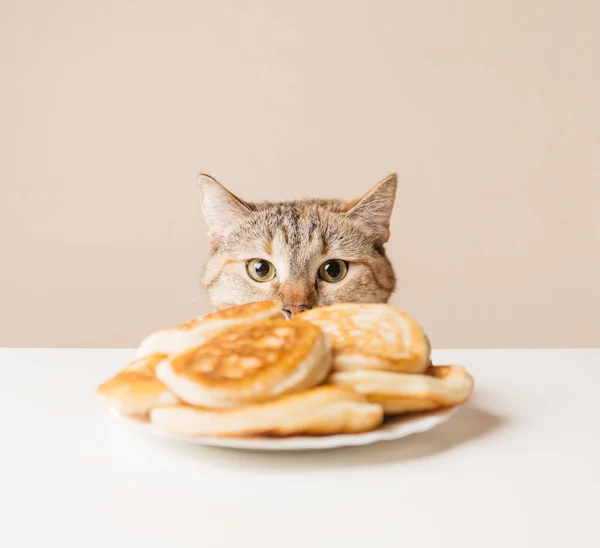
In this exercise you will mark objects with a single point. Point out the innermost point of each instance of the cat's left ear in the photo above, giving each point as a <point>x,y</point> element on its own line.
<point>374,209</point>
<point>222,210</point>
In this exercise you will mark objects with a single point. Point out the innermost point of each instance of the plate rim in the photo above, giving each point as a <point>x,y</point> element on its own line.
<point>396,428</point>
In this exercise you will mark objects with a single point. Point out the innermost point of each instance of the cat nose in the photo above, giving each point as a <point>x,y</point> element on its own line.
<point>292,310</point>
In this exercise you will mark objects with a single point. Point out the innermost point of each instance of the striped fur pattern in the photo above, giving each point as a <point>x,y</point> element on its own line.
<point>297,238</point>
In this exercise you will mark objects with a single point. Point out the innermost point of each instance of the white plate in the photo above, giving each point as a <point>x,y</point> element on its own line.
<point>392,429</point>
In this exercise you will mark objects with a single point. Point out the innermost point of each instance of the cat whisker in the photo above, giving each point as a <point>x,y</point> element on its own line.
<point>200,298</point>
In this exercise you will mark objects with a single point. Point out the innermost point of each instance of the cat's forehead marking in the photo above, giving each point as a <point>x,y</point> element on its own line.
<point>279,259</point>
<point>298,235</point>
<point>297,250</point>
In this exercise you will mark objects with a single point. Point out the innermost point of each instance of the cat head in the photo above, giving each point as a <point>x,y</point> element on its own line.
<point>306,253</point>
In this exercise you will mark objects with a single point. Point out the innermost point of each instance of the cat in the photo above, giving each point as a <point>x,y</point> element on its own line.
<point>306,253</point>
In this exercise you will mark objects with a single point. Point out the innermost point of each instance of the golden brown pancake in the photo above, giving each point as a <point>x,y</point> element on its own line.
<point>372,336</point>
<point>197,331</point>
<point>136,389</point>
<point>442,386</point>
<point>249,364</point>
<point>320,411</point>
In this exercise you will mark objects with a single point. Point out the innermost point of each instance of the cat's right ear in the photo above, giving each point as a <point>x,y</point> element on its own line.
<point>222,210</point>
<point>374,209</point>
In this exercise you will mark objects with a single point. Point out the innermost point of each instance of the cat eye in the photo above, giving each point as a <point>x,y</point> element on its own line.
<point>333,271</point>
<point>260,270</point>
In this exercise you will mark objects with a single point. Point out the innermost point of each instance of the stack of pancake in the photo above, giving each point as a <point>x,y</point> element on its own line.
<point>248,371</point>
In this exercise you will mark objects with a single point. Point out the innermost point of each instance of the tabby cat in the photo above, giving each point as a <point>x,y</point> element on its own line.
<point>306,253</point>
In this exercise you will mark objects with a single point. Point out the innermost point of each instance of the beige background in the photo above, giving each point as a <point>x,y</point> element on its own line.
<point>488,110</point>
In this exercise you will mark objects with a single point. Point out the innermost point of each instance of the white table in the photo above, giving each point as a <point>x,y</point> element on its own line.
<point>518,466</point>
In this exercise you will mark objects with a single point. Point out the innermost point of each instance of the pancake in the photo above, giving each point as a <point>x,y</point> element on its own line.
<point>320,411</point>
<point>372,336</point>
<point>136,389</point>
<point>197,331</point>
<point>442,386</point>
<point>249,364</point>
